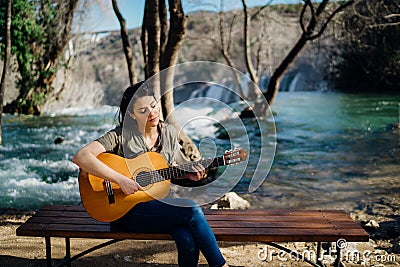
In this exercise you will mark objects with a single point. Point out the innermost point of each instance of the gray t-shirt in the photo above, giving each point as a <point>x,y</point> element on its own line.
<point>130,143</point>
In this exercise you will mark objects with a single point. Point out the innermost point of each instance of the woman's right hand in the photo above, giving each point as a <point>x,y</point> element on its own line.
<point>86,159</point>
<point>129,186</point>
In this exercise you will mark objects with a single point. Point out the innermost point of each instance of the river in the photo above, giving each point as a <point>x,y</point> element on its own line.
<point>332,150</point>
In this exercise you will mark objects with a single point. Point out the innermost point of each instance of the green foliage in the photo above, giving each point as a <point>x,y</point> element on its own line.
<point>369,50</point>
<point>33,34</point>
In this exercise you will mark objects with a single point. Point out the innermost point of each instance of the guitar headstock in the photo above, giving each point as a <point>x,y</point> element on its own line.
<point>235,156</point>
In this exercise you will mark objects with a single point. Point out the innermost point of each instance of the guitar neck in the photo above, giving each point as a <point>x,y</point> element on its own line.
<point>181,170</point>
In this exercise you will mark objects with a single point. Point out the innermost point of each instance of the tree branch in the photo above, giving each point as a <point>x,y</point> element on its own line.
<point>323,27</point>
<point>260,9</point>
<point>125,43</point>
<point>303,11</point>
<point>225,50</point>
<point>246,23</point>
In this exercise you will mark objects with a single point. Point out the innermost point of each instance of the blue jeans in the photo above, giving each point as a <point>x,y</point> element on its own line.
<point>184,220</point>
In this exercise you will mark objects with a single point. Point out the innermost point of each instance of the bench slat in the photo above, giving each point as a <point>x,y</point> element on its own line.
<point>228,225</point>
<point>221,216</point>
<point>65,213</point>
<point>259,215</point>
<point>312,224</point>
<point>222,234</point>
<point>282,218</point>
<point>283,212</point>
<point>63,207</point>
<point>55,220</point>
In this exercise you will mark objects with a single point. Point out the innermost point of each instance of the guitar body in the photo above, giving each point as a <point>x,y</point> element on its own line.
<point>93,189</point>
<point>106,202</point>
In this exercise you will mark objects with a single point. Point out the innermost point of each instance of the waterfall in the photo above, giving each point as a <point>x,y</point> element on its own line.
<point>293,84</point>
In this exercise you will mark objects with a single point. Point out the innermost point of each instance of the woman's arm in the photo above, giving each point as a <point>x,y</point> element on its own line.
<point>86,159</point>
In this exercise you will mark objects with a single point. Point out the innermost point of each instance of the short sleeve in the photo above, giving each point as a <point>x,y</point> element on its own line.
<point>171,146</point>
<point>112,141</point>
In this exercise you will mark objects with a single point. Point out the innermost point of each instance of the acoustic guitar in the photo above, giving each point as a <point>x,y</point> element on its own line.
<point>106,202</point>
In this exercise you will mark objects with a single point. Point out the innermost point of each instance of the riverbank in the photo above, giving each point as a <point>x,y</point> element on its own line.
<point>334,151</point>
<point>381,218</point>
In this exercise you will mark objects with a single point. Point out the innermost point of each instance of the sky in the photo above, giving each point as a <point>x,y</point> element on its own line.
<point>101,16</point>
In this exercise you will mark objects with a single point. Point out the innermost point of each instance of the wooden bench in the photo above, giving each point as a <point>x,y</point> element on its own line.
<point>264,226</point>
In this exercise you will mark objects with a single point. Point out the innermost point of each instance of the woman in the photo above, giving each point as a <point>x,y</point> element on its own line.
<point>182,218</point>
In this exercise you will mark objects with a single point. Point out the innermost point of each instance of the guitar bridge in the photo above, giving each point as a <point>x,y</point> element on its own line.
<point>110,192</point>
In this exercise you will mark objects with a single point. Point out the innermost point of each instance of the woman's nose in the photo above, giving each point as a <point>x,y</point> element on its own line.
<point>152,112</point>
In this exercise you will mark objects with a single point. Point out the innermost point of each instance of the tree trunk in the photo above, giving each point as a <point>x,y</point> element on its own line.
<point>273,85</point>
<point>7,57</point>
<point>144,39</point>
<point>162,13</point>
<point>60,33</point>
<point>225,52</point>
<point>246,24</point>
<point>160,54</point>
<point>176,35</point>
<point>175,38</point>
<point>252,86</point>
<point>153,30</point>
<point>126,44</point>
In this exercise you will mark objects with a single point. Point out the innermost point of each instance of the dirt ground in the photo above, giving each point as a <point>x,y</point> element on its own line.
<point>382,250</point>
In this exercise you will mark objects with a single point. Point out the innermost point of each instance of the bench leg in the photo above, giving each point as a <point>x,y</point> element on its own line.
<point>295,254</point>
<point>48,251</point>
<point>68,251</point>
<point>338,262</point>
<point>66,261</point>
<point>67,258</point>
<point>319,255</point>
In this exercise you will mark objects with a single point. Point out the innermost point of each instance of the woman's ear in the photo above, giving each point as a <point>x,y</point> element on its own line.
<point>131,114</point>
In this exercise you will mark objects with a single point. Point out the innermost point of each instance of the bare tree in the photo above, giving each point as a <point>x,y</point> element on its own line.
<point>318,19</point>
<point>176,35</point>
<point>224,47</point>
<point>309,33</point>
<point>246,25</point>
<point>126,44</point>
<point>5,63</point>
<point>175,38</point>
<point>144,38</point>
<point>163,15</point>
<point>152,30</point>
<point>255,73</point>
<point>225,43</point>
<point>160,51</point>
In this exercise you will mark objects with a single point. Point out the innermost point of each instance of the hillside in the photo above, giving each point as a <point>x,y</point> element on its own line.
<point>98,73</point>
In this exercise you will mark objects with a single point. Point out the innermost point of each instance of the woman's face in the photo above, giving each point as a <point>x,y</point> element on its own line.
<point>146,112</point>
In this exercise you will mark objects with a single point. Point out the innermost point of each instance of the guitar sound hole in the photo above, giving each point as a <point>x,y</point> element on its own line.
<point>143,179</point>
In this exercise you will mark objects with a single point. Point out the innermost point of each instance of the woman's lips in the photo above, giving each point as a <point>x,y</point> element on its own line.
<point>153,119</point>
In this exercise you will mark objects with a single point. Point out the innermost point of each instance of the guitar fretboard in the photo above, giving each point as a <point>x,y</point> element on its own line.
<point>146,178</point>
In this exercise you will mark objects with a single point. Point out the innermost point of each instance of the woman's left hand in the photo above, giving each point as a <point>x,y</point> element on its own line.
<point>197,174</point>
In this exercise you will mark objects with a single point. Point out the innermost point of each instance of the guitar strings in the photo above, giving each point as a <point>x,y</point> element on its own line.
<point>146,178</point>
